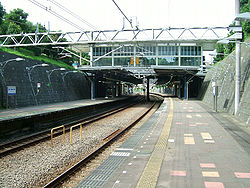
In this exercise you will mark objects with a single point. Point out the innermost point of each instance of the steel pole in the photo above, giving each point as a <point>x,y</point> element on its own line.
<point>237,63</point>
<point>237,78</point>
<point>91,55</point>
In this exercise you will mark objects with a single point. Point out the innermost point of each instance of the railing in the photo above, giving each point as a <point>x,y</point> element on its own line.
<point>62,126</point>
<point>71,129</point>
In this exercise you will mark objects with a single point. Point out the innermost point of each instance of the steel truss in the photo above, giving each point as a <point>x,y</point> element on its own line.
<point>109,37</point>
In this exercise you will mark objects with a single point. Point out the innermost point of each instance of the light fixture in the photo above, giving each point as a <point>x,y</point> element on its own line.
<point>242,16</point>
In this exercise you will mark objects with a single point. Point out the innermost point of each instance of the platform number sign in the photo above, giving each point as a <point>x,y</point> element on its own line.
<point>11,90</point>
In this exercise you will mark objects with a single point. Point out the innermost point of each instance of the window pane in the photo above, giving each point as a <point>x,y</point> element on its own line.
<point>168,61</point>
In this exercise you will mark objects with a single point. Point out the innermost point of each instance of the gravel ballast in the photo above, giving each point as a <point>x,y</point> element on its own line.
<point>35,166</point>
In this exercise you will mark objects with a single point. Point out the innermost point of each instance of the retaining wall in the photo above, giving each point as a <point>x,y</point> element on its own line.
<point>73,86</point>
<point>224,76</point>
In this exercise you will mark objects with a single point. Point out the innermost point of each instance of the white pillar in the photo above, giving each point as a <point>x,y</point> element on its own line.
<point>113,59</point>
<point>134,55</point>
<point>237,65</point>
<point>179,54</point>
<point>157,55</point>
<point>91,55</point>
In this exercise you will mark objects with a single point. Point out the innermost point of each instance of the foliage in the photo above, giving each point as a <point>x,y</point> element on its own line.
<point>2,13</point>
<point>245,7</point>
<point>220,50</point>
<point>228,48</point>
<point>16,22</point>
<point>23,52</point>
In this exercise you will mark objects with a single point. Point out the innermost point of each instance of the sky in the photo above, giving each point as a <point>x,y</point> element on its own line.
<point>103,14</point>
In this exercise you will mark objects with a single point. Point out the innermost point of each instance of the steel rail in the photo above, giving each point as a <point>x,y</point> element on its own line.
<point>108,140</point>
<point>17,145</point>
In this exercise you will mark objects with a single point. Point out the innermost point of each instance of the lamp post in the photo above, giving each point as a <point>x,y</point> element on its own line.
<point>226,41</point>
<point>49,72</point>
<point>29,70</point>
<point>242,16</point>
<point>65,73</point>
<point>237,64</point>
<point>237,37</point>
<point>2,66</point>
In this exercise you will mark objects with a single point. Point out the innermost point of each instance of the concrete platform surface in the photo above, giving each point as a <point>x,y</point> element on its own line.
<point>9,114</point>
<point>182,145</point>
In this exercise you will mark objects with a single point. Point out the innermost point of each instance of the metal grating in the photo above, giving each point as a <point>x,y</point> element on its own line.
<point>124,154</point>
<point>102,173</point>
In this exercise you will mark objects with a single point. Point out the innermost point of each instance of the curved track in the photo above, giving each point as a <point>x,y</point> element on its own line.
<point>106,142</point>
<point>19,144</point>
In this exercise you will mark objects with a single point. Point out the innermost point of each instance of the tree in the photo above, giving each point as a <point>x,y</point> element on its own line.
<point>228,48</point>
<point>245,7</point>
<point>13,28</point>
<point>2,13</point>
<point>18,17</point>
<point>220,50</point>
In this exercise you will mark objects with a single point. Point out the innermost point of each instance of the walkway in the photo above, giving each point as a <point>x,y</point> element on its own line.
<point>49,108</point>
<point>181,145</point>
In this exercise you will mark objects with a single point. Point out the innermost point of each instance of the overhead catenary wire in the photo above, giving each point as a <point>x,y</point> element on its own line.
<point>56,14</point>
<point>73,14</point>
<point>123,13</point>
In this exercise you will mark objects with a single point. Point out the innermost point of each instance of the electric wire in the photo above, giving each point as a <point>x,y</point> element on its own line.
<point>123,13</point>
<point>56,14</point>
<point>73,14</point>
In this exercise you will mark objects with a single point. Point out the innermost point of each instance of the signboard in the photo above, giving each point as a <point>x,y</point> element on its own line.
<point>215,90</point>
<point>137,60</point>
<point>213,84</point>
<point>11,90</point>
<point>132,61</point>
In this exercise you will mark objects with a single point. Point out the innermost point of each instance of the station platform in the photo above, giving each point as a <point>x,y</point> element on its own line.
<point>25,112</point>
<point>183,144</point>
<point>19,122</point>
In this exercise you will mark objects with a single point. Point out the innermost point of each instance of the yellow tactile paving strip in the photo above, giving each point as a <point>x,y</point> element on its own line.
<point>206,136</point>
<point>210,174</point>
<point>151,172</point>
<point>189,140</point>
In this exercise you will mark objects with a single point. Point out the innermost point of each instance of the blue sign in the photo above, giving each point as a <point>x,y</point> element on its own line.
<point>11,90</point>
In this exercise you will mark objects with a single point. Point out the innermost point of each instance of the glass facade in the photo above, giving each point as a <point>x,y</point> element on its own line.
<point>190,50</point>
<point>168,61</point>
<point>100,51</point>
<point>122,61</point>
<point>147,55</point>
<point>190,61</point>
<point>168,50</point>
<point>103,62</point>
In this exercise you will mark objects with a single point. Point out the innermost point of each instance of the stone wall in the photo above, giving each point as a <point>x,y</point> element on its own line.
<point>224,76</point>
<point>60,88</point>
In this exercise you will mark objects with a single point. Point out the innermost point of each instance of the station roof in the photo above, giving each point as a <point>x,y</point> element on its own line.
<point>107,73</point>
<point>136,75</point>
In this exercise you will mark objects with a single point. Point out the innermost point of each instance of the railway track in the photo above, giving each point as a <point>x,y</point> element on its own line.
<point>20,144</point>
<point>106,142</point>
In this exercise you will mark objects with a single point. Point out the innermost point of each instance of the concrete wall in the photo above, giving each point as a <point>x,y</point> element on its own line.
<point>224,76</point>
<point>74,86</point>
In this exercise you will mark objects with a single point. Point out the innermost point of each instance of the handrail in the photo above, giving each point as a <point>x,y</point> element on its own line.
<point>71,128</point>
<point>62,126</point>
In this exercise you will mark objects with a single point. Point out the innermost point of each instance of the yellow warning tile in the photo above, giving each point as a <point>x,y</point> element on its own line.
<point>188,134</point>
<point>189,140</point>
<point>198,115</point>
<point>151,172</point>
<point>210,174</point>
<point>206,136</point>
<point>209,141</point>
<point>189,116</point>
